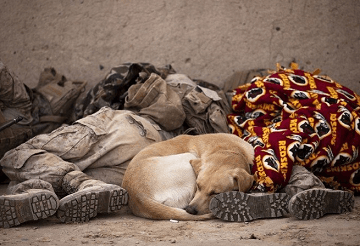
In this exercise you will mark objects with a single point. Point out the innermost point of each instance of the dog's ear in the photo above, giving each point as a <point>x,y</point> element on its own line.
<point>244,180</point>
<point>196,165</point>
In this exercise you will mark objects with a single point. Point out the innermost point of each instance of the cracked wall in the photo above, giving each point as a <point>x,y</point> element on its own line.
<point>205,39</point>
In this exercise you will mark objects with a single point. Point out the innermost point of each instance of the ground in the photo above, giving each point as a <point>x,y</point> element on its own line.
<point>123,228</point>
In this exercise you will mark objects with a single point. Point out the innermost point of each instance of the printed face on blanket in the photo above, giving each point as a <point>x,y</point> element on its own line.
<point>294,117</point>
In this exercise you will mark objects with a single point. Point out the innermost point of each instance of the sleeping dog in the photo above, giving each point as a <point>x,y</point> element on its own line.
<point>176,178</point>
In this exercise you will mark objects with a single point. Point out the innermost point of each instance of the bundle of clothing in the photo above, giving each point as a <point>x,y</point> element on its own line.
<point>293,117</point>
<point>138,95</point>
<point>127,87</point>
<point>25,112</point>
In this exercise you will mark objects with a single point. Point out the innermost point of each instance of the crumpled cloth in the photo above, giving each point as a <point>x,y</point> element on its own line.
<point>112,90</point>
<point>294,117</point>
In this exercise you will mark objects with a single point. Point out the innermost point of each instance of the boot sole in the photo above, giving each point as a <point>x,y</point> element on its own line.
<point>241,207</point>
<point>315,203</point>
<point>86,204</point>
<point>17,209</point>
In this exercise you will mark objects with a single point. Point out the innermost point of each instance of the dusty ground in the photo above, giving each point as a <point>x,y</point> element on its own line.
<point>123,228</point>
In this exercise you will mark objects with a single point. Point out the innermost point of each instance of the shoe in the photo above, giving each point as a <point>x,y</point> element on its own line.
<point>315,203</point>
<point>87,203</point>
<point>33,205</point>
<point>241,207</point>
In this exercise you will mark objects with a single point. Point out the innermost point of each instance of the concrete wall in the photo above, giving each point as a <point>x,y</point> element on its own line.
<point>205,39</point>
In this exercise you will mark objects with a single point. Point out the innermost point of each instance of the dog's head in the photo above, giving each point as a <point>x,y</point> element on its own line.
<point>220,172</point>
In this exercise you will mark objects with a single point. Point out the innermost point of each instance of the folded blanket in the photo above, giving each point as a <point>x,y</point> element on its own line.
<point>294,117</point>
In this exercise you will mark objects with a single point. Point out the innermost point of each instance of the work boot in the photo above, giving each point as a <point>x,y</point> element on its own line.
<point>33,204</point>
<point>241,207</point>
<point>89,197</point>
<point>315,203</point>
<point>311,200</point>
<point>32,199</point>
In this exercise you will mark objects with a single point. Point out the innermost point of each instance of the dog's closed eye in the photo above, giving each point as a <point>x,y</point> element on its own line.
<point>212,193</point>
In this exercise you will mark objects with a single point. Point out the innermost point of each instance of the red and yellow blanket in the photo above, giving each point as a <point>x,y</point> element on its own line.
<point>294,117</point>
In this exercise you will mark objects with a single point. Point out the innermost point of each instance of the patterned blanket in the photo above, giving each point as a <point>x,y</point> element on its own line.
<point>294,117</point>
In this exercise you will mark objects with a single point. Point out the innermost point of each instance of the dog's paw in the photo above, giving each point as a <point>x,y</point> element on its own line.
<point>206,216</point>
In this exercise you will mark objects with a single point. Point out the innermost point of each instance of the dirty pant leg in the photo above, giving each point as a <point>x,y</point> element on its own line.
<point>100,145</point>
<point>301,179</point>
<point>43,166</point>
<point>41,156</point>
<point>126,135</point>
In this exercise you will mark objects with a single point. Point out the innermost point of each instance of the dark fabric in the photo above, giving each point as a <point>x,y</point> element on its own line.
<point>42,109</point>
<point>112,90</point>
<point>294,117</point>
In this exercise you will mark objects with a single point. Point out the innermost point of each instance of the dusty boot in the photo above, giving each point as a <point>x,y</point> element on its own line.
<point>239,207</point>
<point>311,200</point>
<point>315,203</point>
<point>89,197</point>
<point>28,202</point>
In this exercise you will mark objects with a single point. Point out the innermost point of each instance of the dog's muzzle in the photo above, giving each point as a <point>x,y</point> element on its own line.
<point>191,210</point>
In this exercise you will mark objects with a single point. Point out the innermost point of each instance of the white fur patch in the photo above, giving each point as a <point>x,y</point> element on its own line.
<point>175,184</point>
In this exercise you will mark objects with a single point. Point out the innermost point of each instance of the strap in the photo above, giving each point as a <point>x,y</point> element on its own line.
<point>7,132</point>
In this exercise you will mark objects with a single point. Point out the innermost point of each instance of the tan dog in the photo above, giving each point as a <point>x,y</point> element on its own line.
<point>177,178</point>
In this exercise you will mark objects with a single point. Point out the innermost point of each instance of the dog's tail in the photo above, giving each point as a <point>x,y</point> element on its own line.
<point>152,209</point>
